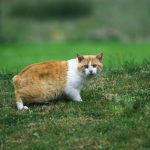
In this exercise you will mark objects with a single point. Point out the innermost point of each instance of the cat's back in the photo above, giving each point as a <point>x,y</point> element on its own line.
<point>51,71</point>
<point>47,68</point>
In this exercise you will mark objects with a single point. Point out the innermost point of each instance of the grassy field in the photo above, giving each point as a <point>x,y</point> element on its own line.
<point>114,114</point>
<point>16,56</point>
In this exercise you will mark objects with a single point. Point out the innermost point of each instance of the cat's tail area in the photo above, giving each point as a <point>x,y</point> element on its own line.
<point>15,80</point>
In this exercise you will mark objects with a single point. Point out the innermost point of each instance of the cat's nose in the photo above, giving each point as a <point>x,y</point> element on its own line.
<point>91,71</point>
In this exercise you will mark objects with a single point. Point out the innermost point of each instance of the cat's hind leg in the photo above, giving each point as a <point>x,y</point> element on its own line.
<point>19,103</point>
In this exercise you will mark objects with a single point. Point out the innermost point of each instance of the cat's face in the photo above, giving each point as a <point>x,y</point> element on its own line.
<point>90,65</point>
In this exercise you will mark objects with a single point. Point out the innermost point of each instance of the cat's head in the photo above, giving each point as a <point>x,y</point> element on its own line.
<point>90,65</point>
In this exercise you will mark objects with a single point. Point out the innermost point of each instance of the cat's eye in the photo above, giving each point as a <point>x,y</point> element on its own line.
<point>94,65</point>
<point>86,66</point>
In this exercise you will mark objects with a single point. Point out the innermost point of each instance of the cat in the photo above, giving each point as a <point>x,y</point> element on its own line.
<point>41,82</point>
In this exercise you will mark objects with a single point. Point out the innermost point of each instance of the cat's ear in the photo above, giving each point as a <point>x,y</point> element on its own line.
<point>99,56</point>
<point>80,57</point>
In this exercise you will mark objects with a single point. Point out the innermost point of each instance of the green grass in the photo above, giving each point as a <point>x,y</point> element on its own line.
<point>17,56</point>
<point>114,114</point>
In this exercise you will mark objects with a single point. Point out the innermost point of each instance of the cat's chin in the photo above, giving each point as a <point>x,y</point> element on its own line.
<point>91,75</point>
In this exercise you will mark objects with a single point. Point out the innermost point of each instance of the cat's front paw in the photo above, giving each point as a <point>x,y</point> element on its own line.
<point>25,107</point>
<point>78,100</point>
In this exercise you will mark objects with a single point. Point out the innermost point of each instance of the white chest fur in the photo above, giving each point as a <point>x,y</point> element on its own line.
<point>75,81</point>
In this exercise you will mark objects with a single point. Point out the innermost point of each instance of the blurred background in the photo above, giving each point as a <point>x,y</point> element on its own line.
<point>38,30</point>
<point>63,20</point>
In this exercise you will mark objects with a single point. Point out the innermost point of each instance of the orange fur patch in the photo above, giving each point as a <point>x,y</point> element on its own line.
<point>41,81</point>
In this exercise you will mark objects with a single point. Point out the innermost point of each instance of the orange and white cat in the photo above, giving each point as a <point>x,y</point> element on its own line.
<point>46,81</point>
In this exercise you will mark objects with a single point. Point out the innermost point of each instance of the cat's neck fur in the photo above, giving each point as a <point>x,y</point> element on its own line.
<point>74,75</point>
<point>75,80</point>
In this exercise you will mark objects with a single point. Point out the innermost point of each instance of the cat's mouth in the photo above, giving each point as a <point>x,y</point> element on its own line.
<point>91,74</point>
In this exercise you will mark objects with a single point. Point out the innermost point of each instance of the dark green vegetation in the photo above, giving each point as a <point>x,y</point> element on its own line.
<point>61,9</point>
<point>115,114</point>
<point>30,20</point>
